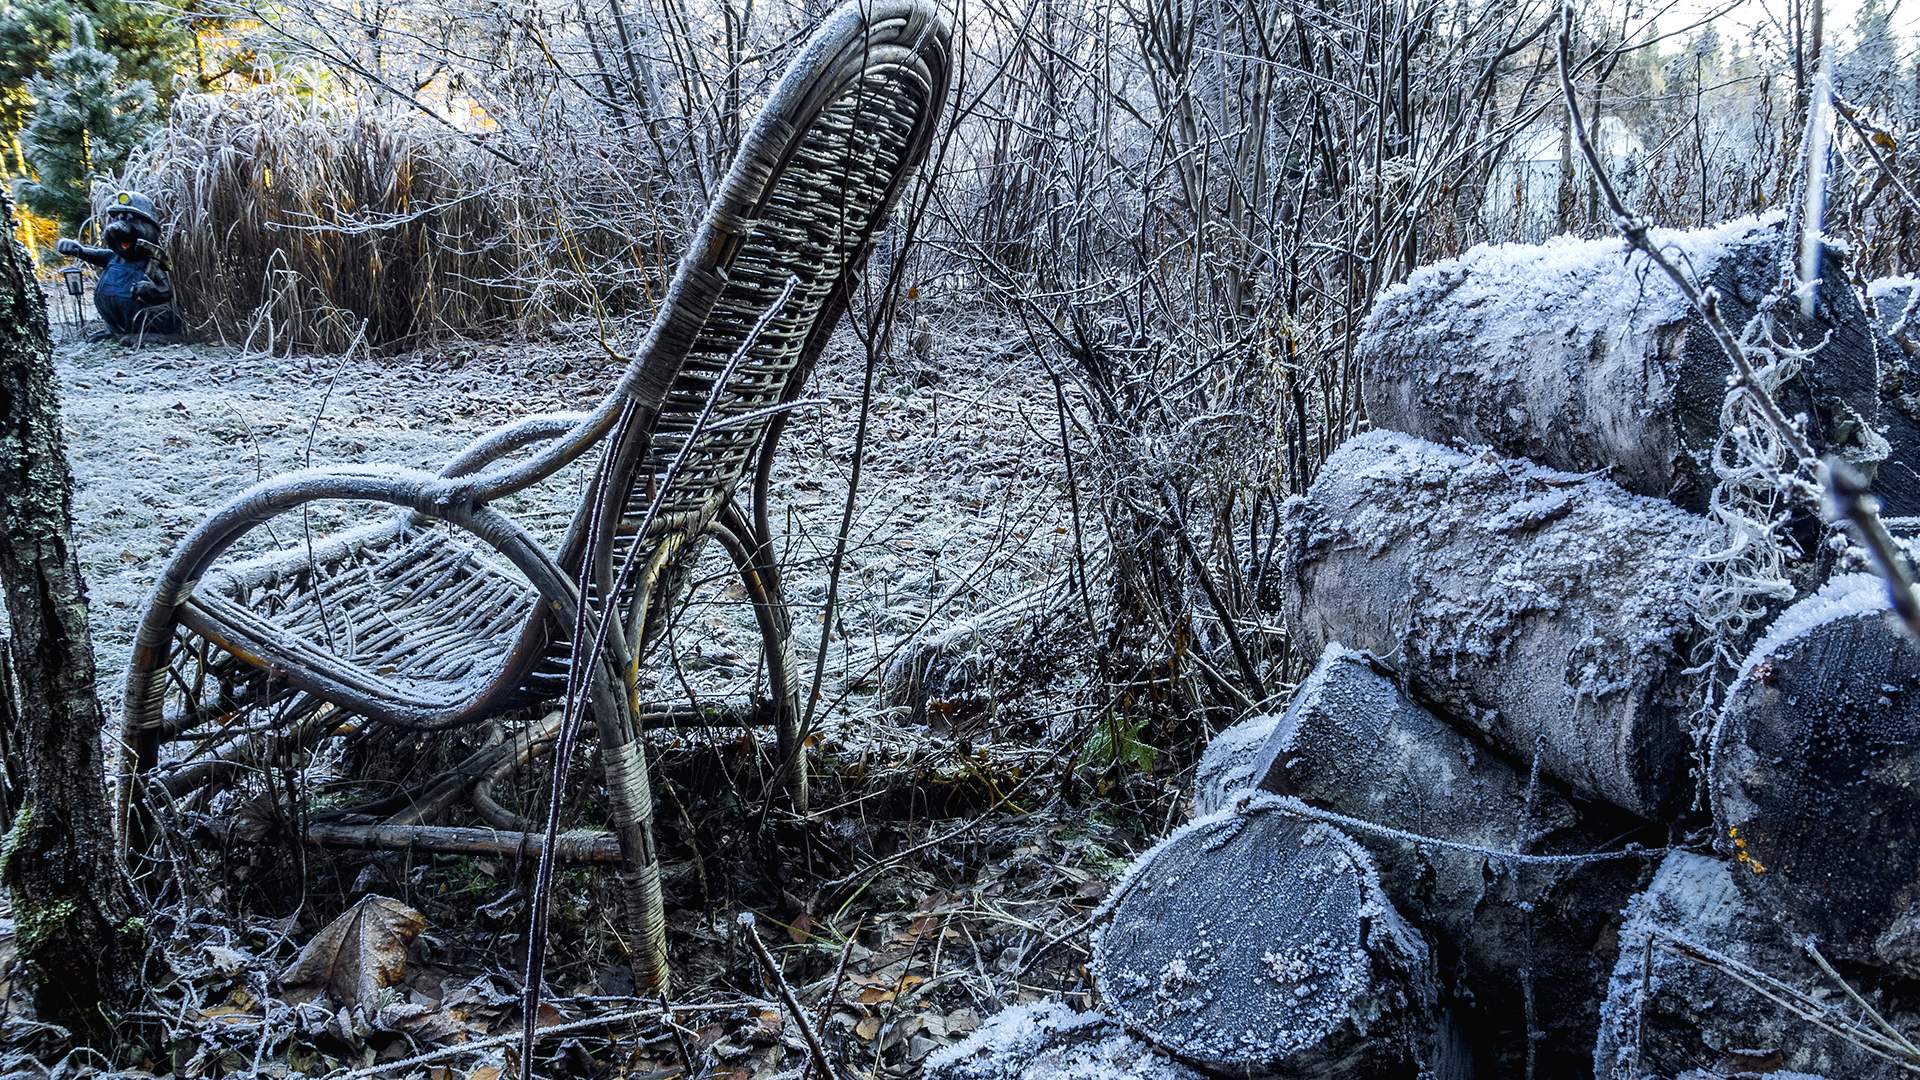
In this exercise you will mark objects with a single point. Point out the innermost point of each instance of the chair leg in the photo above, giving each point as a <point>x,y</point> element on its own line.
<point>645,905</point>
<point>752,557</point>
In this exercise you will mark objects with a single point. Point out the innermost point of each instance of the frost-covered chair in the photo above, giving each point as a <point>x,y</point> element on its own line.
<point>452,611</point>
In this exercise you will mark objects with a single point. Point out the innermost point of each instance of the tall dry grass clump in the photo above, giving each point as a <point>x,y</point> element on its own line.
<point>295,221</point>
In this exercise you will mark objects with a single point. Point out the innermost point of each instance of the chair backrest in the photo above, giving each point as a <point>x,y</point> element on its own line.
<point>813,183</point>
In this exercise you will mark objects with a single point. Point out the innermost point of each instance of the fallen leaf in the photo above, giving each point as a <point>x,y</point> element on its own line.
<point>356,955</point>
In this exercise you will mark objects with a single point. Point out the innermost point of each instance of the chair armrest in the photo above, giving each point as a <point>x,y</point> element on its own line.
<point>509,437</point>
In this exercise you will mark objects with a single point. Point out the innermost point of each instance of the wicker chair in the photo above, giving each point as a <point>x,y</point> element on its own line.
<point>450,611</point>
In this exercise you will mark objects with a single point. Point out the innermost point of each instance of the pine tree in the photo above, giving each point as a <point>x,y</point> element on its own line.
<point>83,125</point>
<point>145,38</point>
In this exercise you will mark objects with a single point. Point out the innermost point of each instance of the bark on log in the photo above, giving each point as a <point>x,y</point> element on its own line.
<point>1508,934</point>
<point>1669,1010</point>
<point>1581,358</point>
<point>1815,777</point>
<point>78,938</point>
<point>1897,481</point>
<point>1551,612</point>
<point>1046,1040</point>
<point>1256,942</point>
<point>1227,766</point>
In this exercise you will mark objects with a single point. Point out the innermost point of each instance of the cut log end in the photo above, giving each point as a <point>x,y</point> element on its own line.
<point>1816,776</point>
<point>1255,940</point>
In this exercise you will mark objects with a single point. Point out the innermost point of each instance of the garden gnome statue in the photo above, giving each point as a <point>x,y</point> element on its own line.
<point>133,294</point>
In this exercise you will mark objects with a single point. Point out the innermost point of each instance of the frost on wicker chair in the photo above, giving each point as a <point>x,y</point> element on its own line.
<point>451,611</point>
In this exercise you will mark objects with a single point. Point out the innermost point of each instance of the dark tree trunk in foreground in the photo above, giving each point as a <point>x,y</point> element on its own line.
<point>78,936</point>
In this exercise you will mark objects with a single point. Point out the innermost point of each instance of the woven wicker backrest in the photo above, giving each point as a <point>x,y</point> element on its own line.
<point>812,184</point>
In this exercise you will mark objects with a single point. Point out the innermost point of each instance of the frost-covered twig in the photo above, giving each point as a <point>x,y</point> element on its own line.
<point>750,931</point>
<point>1791,999</point>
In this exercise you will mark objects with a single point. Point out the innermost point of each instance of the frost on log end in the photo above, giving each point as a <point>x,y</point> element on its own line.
<point>1552,612</point>
<point>1352,743</point>
<point>1815,777</point>
<point>1582,358</point>
<point>1046,1040</point>
<point>1256,942</point>
<point>1669,1010</point>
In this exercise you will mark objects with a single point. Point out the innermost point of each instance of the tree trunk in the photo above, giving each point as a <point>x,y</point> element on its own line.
<point>79,938</point>
<point>1583,359</point>
<point>1813,778</point>
<point>1553,613</point>
<point>1672,1007</point>
<point>1510,935</point>
<point>1257,943</point>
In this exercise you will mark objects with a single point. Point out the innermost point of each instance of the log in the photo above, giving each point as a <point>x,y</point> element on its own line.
<point>578,846</point>
<point>1256,942</point>
<point>1046,1040</point>
<point>1815,775</point>
<point>1897,481</point>
<point>1226,767</point>
<point>1582,358</point>
<point>1675,1004</point>
<point>1551,612</point>
<point>1504,929</point>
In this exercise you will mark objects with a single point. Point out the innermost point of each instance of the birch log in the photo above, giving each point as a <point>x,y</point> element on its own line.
<point>1551,612</point>
<point>1581,357</point>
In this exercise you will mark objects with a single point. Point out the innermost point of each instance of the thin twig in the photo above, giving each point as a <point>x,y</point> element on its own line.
<point>749,929</point>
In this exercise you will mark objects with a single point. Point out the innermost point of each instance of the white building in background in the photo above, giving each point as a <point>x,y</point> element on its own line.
<point>1522,201</point>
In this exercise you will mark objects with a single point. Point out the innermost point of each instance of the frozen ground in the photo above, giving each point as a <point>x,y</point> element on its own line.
<point>961,502</point>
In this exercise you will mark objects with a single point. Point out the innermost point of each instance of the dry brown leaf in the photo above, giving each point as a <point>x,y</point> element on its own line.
<point>356,955</point>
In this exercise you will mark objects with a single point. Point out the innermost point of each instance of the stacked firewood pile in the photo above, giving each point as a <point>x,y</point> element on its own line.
<point>1508,827</point>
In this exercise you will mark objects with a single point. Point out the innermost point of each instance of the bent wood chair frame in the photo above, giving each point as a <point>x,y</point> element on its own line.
<point>451,611</point>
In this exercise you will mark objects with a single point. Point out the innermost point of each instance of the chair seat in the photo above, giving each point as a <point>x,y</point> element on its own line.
<point>419,619</point>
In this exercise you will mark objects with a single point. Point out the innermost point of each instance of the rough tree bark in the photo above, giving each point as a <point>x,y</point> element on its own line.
<point>1552,612</point>
<point>1813,776</point>
<point>1257,943</point>
<point>79,937</point>
<point>1581,358</point>
<point>1510,935</point>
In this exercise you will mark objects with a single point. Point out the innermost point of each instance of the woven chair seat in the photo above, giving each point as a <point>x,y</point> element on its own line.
<point>412,615</point>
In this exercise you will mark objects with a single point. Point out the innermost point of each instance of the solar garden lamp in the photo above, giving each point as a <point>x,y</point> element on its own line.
<point>75,280</point>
